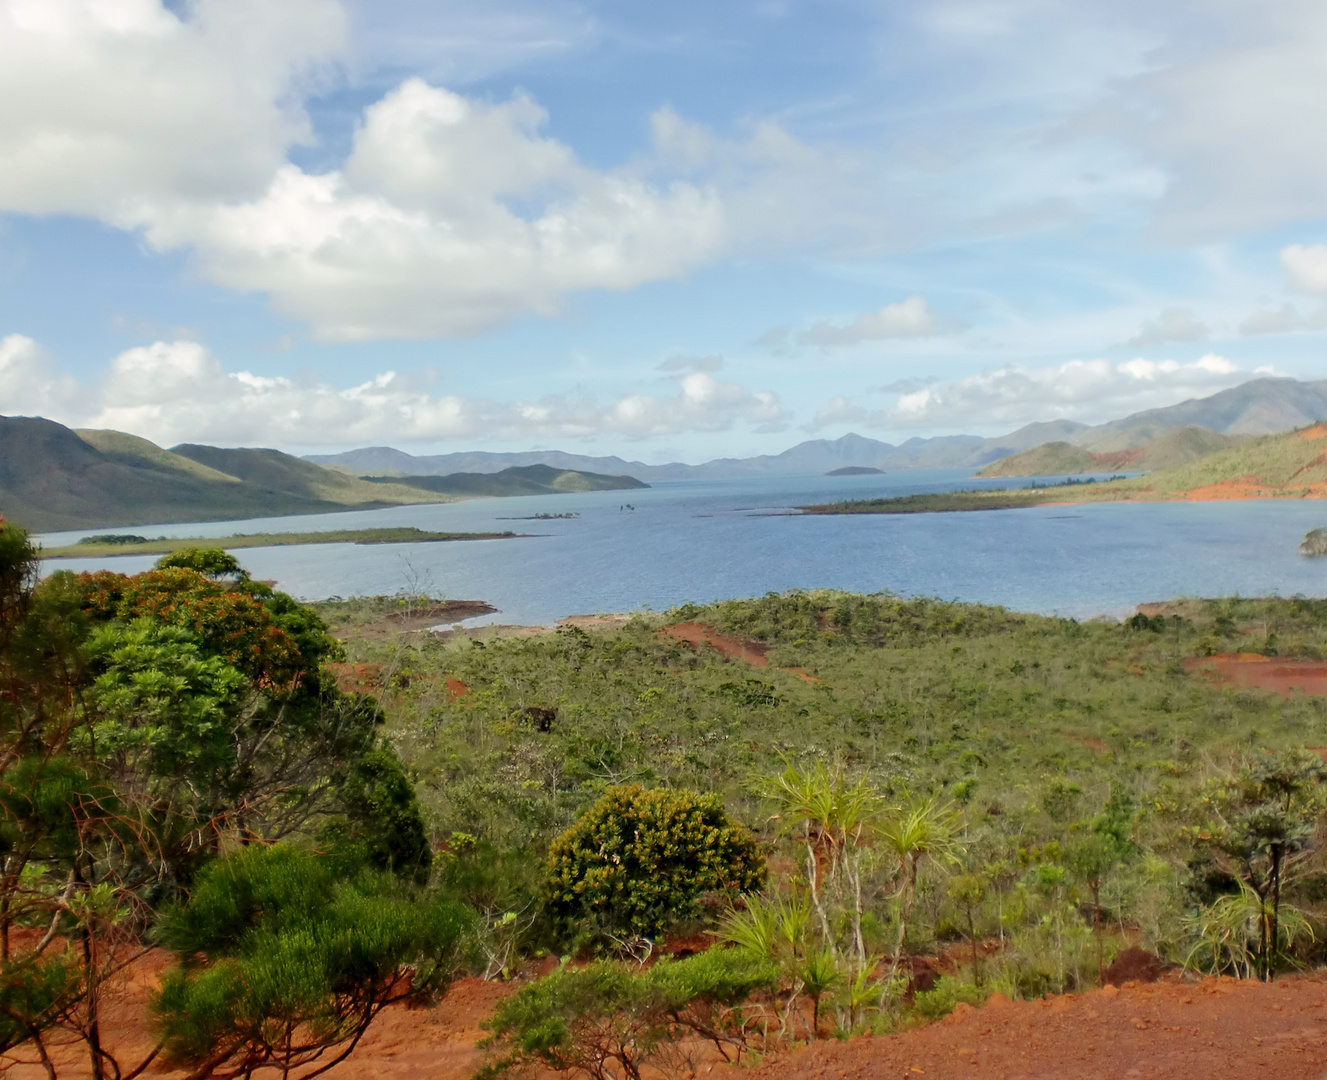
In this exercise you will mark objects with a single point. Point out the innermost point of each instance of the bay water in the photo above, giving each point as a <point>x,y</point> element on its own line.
<point>713,539</point>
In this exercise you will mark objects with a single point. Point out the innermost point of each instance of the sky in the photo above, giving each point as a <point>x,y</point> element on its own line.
<point>669,232</point>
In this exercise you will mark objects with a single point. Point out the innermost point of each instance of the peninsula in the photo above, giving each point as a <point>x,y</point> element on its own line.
<point>1288,466</point>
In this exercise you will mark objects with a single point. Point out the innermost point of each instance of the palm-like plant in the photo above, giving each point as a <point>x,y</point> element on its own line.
<point>923,829</point>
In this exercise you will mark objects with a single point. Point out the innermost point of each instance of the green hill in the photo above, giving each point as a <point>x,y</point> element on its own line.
<point>1168,451</point>
<point>281,472</point>
<point>522,480</point>
<point>54,478</point>
<point>1288,466</point>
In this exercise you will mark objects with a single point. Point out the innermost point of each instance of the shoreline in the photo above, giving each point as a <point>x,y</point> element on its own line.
<point>167,545</point>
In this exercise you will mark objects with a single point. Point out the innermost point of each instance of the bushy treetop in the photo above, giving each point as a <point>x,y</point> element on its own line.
<point>639,859</point>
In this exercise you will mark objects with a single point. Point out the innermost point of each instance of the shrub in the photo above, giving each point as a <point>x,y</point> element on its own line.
<point>285,963</point>
<point>948,991</point>
<point>609,1016</point>
<point>638,860</point>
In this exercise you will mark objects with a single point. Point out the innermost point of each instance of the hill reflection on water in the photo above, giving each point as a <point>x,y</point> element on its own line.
<point>708,540</point>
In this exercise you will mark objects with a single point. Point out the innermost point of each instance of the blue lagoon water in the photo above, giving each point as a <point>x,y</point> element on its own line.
<point>708,540</point>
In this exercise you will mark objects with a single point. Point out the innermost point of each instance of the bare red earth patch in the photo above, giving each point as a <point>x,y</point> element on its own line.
<point>694,633</point>
<point>1219,1029</point>
<point>1255,671</point>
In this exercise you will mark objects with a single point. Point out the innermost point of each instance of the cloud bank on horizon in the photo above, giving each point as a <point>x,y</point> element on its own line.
<point>511,223</point>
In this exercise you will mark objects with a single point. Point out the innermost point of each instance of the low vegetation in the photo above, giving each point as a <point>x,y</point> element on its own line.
<point>915,804</point>
<point>128,544</point>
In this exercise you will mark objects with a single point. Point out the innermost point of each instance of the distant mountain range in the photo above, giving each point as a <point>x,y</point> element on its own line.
<point>54,478</point>
<point>1258,407</point>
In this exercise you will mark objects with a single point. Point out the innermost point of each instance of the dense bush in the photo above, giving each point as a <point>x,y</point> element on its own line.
<point>638,860</point>
<point>610,1016</point>
<point>288,957</point>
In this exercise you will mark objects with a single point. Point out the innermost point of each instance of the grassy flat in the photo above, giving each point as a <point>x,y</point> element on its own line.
<point>165,545</point>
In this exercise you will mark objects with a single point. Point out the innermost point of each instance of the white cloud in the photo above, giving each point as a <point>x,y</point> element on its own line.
<point>449,215</point>
<point>115,107</point>
<point>910,318</point>
<point>173,392</point>
<point>28,386</point>
<point>1227,109</point>
<point>1307,266</point>
<point>1173,324</point>
<point>1092,391</point>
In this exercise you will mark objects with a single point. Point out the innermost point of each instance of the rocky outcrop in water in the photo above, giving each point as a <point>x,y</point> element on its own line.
<point>1315,543</point>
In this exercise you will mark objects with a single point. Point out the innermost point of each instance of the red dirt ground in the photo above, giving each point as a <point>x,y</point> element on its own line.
<point>1252,670</point>
<point>1213,1030</point>
<point>753,652</point>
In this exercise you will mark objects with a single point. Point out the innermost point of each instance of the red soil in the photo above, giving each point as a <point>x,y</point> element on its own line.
<point>1254,671</point>
<point>456,689</point>
<point>753,652</point>
<point>695,633</point>
<point>1217,1029</point>
<point>1171,1030</point>
<point>357,678</point>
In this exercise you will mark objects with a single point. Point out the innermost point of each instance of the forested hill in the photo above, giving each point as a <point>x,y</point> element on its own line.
<point>52,477</point>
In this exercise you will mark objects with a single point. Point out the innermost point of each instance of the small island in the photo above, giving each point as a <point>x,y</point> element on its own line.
<point>856,470</point>
<point>129,544</point>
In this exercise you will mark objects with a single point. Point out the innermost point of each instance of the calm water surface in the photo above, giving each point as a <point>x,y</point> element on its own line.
<point>709,540</point>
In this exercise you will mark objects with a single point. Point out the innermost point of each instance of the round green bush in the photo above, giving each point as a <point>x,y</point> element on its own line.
<point>639,860</point>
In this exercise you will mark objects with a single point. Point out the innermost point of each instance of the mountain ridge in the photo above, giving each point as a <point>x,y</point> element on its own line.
<point>1262,406</point>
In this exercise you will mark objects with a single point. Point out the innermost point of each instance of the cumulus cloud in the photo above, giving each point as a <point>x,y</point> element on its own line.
<point>115,107</point>
<point>178,391</point>
<point>1172,325</point>
<point>910,318</point>
<point>1091,391</point>
<point>28,387</point>
<point>449,215</point>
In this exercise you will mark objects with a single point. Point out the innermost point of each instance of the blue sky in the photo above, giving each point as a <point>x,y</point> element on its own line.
<point>666,231</point>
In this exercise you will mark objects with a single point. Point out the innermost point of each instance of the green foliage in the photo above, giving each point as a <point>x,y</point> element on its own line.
<point>288,957</point>
<point>609,1016</point>
<point>381,815</point>
<point>639,860</point>
<point>214,563</point>
<point>948,991</point>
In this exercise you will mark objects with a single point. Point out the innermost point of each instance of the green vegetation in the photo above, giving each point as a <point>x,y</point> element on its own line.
<point>518,480</point>
<point>1018,795</point>
<point>1011,790</point>
<point>157,734</point>
<point>940,502</point>
<point>637,861</point>
<point>58,479</point>
<point>91,546</point>
<point>1168,451</point>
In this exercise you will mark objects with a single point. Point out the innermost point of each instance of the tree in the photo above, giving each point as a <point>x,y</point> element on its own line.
<point>639,860</point>
<point>213,563</point>
<point>1259,829</point>
<point>146,723</point>
<point>923,829</point>
<point>287,957</point>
